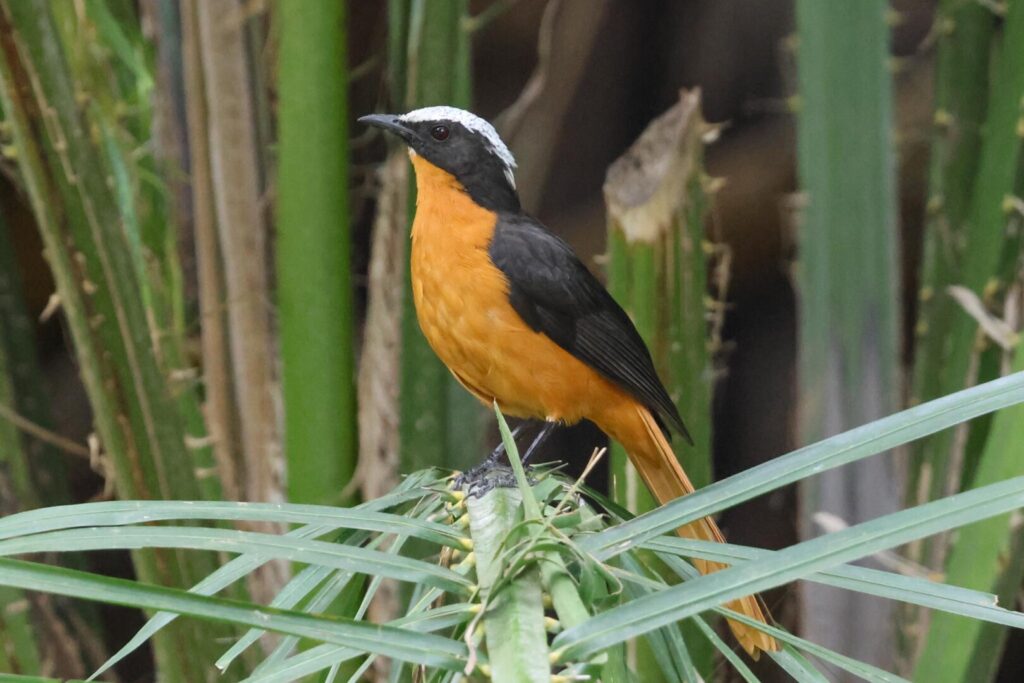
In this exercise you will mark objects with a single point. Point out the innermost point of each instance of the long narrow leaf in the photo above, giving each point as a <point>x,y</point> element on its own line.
<point>794,663</point>
<point>790,659</point>
<point>860,669</point>
<point>910,589</point>
<point>651,612</point>
<point>841,449</point>
<point>215,582</point>
<point>335,555</point>
<point>411,488</point>
<point>325,656</point>
<point>421,648</point>
<point>119,513</point>
<point>287,598</point>
<point>727,652</point>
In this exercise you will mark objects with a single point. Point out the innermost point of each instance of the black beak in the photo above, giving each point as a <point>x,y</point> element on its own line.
<point>389,122</point>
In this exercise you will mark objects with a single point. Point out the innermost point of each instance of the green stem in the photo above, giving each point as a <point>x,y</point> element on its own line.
<point>962,76</point>
<point>977,560</point>
<point>315,305</point>
<point>847,279</point>
<point>658,273</point>
<point>983,240</point>
<point>440,424</point>
<point>988,556</point>
<point>517,645</point>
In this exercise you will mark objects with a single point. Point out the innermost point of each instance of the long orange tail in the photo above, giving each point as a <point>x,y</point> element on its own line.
<point>634,427</point>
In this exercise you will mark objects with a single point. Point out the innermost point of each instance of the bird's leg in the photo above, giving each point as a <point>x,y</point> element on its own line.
<point>492,473</point>
<point>499,450</point>
<point>541,437</point>
<point>491,461</point>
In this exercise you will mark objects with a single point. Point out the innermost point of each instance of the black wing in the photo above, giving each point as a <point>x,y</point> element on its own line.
<point>554,293</point>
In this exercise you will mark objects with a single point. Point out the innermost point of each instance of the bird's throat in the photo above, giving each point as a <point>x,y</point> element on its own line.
<point>445,211</point>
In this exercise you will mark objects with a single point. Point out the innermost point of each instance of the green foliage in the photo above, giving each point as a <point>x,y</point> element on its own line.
<point>973,241</point>
<point>89,244</point>
<point>978,241</point>
<point>477,589</point>
<point>982,552</point>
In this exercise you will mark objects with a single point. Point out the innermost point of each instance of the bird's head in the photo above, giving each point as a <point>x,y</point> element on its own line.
<point>461,144</point>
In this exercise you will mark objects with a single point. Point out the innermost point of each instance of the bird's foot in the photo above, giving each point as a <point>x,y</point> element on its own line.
<point>495,471</point>
<point>494,459</point>
<point>491,474</point>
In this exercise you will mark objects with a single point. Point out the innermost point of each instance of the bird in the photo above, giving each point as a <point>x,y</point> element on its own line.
<point>520,321</point>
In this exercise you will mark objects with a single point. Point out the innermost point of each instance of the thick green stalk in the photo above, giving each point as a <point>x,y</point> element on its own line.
<point>689,354</point>
<point>440,423</point>
<point>631,279</point>
<point>657,269</point>
<point>658,273</point>
<point>980,266</point>
<point>398,49</point>
<point>979,557</point>
<point>123,82</point>
<point>136,418</point>
<point>314,287</point>
<point>961,99</point>
<point>847,275</point>
<point>166,228</point>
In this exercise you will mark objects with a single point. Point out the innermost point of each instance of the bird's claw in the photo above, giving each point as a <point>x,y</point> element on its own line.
<point>488,475</point>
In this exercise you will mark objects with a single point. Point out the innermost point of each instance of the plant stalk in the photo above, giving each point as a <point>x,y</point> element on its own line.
<point>314,284</point>
<point>658,272</point>
<point>441,424</point>
<point>847,285</point>
<point>517,646</point>
<point>138,421</point>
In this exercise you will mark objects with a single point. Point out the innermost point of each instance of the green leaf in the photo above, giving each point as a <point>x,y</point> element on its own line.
<point>215,582</point>
<point>516,639</point>
<point>121,513</point>
<point>862,670</point>
<point>797,666</point>
<point>909,589</point>
<point>730,655</point>
<point>420,648</point>
<point>325,656</point>
<point>876,437</point>
<point>335,555</point>
<point>666,644</point>
<point>799,561</point>
<point>287,598</point>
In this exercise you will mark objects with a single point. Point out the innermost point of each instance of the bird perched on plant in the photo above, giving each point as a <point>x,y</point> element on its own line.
<point>519,320</point>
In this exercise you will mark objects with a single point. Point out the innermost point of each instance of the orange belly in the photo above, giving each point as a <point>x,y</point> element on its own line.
<point>462,304</point>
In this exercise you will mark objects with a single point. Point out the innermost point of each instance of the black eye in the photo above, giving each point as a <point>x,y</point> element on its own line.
<point>440,133</point>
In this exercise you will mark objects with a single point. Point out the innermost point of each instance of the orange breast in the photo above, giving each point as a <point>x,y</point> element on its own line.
<point>462,303</point>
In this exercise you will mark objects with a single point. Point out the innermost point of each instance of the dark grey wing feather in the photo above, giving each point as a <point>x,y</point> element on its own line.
<point>554,293</point>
